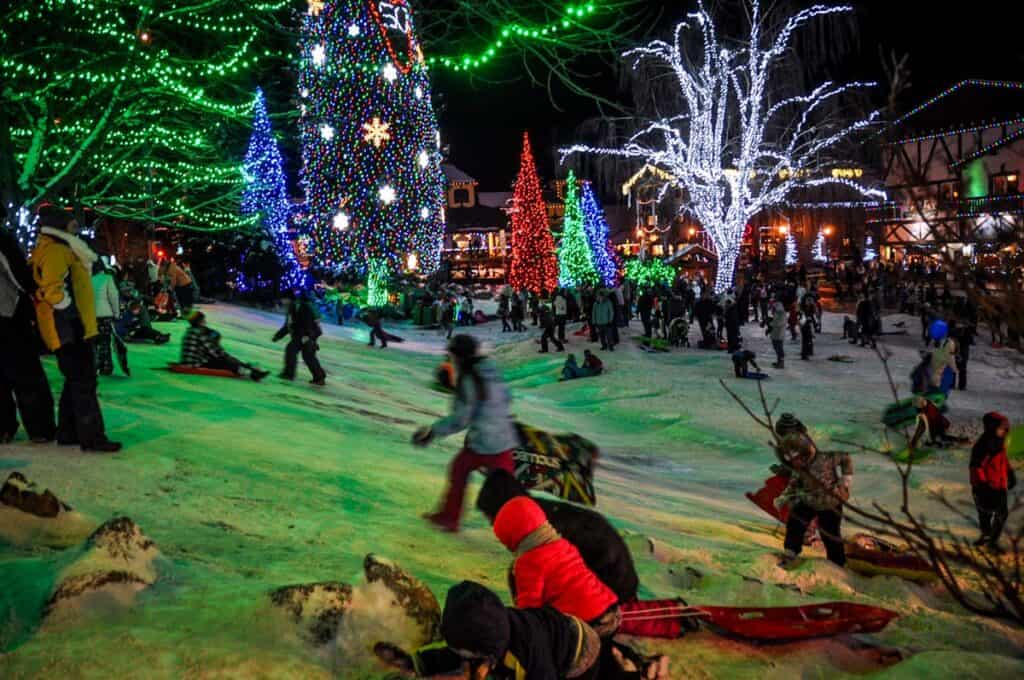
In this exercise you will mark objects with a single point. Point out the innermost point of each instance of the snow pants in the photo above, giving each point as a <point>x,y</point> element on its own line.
<point>992,511</point>
<point>79,416</point>
<point>101,346</point>
<point>23,388</point>
<point>780,350</point>
<point>829,529</point>
<point>465,462</point>
<point>308,351</point>
<point>549,334</point>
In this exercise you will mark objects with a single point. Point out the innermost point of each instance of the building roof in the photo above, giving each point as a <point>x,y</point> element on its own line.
<point>964,104</point>
<point>477,218</point>
<point>493,199</point>
<point>456,175</point>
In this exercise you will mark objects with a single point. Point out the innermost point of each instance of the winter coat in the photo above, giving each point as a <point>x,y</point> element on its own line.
<point>561,306</point>
<point>548,570</point>
<point>942,358</point>
<point>603,313</point>
<point>600,545</point>
<point>595,365</point>
<point>65,307</point>
<point>486,416</point>
<point>176,276</point>
<point>817,482</point>
<point>532,644</point>
<point>989,465</point>
<point>704,311</point>
<point>777,326</point>
<point>300,322</point>
<point>645,304</point>
<point>16,287</point>
<point>200,346</point>
<point>107,297</point>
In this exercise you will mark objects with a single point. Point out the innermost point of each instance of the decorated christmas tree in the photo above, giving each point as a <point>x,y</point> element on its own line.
<point>606,262</point>
<point>575,263</point>
<point>266,194</point>
<point>370,143</point>
<point>649,272</point>
<point>791,253</point>
<point>534,264</point>
<point>820,255</point>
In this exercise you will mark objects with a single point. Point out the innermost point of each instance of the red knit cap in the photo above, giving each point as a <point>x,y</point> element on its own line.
<point>516,520</point>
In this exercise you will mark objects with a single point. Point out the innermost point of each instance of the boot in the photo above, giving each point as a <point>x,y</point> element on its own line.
<point>258,375</point>
<point>105,446</point>
<point>781,364</point>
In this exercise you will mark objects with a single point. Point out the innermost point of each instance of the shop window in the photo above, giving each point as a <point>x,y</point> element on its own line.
<point>461,197</point>
<point>1006,183</point>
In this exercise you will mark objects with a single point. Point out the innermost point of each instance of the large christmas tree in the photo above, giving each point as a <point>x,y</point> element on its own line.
<point>534,264</point>
<point>370,144</point>
<point>575,263</point>
<point>596,228</point>
<point>266,193</point>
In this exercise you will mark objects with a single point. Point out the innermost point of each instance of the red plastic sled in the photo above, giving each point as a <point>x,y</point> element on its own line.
<point>871,556</point>
<point>192,370</point>
<point>776,624</point>
<point>764,498</point>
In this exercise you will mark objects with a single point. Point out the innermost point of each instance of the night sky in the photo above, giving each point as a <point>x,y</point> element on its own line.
<point>982,39</point>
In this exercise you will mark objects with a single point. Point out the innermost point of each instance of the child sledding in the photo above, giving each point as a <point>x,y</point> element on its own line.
<point>201,354</point>
<point>592,366</point>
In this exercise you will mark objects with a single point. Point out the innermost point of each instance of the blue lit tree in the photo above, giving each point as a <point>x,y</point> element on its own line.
<point>370,143</point>
<point>266,193</point>
<point>575,261</point>
<point>596,228</point>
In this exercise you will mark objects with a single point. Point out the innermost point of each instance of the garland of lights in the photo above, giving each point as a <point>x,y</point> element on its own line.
<point>958,131</point>
<point>266,194</point>
<point>991,146</point>
<point>370,143</point>
<point>534,266</point>
<point>575,262</point>
<point>727,97</point>
<point>998,84</point>
<point>606,261</point>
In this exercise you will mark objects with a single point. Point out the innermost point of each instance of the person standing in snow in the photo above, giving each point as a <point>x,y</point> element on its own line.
<point>481,407</point>
<point>302,324</point>
<point>66,315</point>
<point>561,308</point>
<point>23,384</point>
<point>602,317</point>
<point>991,479</point>
<point>819,484</point>
<point>777,333</point>
<point>108,310</point>
<point>517,313</point>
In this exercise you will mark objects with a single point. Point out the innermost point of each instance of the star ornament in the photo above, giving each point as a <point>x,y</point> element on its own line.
<point>377,132</point>
<point>315,7</point>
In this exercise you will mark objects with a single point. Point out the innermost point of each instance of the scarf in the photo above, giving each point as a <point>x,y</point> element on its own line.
<point>542,535</point>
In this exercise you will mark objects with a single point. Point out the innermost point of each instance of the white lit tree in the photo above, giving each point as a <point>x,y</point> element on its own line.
<point>792,254</point>
<point>739,146</point>
<point>820,254</point>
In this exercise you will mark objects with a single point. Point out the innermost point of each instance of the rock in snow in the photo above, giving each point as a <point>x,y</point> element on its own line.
<point>118,561</point>
<point>409,592</point>
<point>29,516</point>
<point>316,607</point>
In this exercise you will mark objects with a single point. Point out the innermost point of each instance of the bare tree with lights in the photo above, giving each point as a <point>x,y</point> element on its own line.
<point>739,146</point>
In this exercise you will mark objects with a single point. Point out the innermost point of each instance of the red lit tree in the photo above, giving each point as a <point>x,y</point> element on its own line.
<point>534,263</point>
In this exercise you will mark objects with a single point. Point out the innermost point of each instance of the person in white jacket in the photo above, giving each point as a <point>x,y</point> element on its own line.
<point>108,308</point>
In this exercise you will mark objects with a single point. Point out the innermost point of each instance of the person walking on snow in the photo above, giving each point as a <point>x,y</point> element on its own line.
<point>108,310</point>
<point>373,319</point>
<point>66,316</point>
<point>561,305</point>
<point>991,479</point>
<point>777,332</point>
<point>23,385</point>
<point>302,324</point>
<point>547,322</point>
<point>481,407</point>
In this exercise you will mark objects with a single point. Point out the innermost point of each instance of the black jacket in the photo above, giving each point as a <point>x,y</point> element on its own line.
<point>300,322</point>
<point>24,314</point>
<point>600,545</point>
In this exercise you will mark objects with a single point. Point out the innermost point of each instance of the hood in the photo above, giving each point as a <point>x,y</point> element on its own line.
<point>79,247</point>
<point>475,620</point>
<point>499,489</point>
<point>516,520</point>
<point>993,421</point>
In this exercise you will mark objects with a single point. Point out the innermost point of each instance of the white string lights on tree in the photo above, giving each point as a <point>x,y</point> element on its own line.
<point>737,148</point>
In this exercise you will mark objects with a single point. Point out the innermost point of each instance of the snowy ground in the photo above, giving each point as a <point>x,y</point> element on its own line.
<point>248,487</point>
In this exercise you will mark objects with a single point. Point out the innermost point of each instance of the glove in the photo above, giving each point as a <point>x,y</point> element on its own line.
<point>278,335</point>
<point>422,436</point>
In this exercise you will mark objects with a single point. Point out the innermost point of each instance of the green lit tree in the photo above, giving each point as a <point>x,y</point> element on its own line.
<point>575,262</point>
<point>137,109</point>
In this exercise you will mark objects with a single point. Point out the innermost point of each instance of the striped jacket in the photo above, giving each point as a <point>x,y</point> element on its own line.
<point>200,346</point>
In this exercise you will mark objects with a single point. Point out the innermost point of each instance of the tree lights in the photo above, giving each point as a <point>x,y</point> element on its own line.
<point>575,263</point>
<point>534,265</point>
<point>606,262</point>
<point>266,193</point>
<point>371,169</point>
<point>792,252</point>
<point>738,148</point>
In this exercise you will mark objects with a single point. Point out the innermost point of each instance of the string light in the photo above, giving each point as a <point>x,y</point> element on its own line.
<point>534,265</point>
<point>958,131</point>
<point>575,262</point>
<point>995,84</point>
<point>731,88</point>
<point>650,272</point>
<point>602,252</point>
<point>366,186</point>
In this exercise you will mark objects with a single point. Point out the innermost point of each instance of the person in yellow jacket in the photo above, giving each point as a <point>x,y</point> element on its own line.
<point>61,266</point>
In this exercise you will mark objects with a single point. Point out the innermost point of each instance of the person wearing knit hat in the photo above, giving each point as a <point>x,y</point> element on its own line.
<point>788,424</point>
<point>481,408</point>
<point>991,478</point>
<point>200,348</point>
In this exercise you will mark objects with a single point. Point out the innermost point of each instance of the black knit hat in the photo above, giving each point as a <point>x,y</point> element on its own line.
<point>463,346</point>
<point>474,620</point>
<point>500,488</point>
<point>788,424</point>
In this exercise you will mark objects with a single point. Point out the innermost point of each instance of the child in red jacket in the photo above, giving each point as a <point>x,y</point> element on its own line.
<point>991,477</point>
<point>548,570</point>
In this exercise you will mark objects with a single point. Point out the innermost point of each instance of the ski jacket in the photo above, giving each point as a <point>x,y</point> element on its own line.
<point>603,312</point>
<point>486,416</point>
<point>200,346</point>
<point>548,570</point>
<point>107,297</point>
<point>176,276</point>
<point>818,481</point>
<point>300,322</point>
<point>65,308</point>
<point>989,465</point>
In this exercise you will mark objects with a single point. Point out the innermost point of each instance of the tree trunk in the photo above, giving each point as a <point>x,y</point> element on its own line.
<point>727,258</point>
